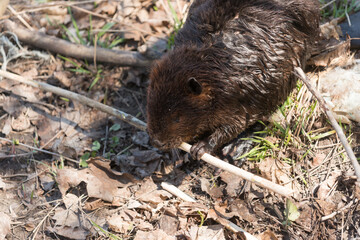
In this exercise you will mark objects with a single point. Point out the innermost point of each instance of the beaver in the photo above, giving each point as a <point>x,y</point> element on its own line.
<point>232,64</point>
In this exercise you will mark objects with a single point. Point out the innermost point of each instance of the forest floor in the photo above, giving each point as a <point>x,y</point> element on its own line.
<point>69,171</point>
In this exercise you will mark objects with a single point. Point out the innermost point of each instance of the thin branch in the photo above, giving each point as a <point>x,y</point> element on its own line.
<point>56,45</point>
<point>22,20</point>
<point>142,126</point>
<point>76,97</point>
<point>40,150</point>
<point>332,120</point>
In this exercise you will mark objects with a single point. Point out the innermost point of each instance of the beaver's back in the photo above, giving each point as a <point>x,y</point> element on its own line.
<point>232,64</point>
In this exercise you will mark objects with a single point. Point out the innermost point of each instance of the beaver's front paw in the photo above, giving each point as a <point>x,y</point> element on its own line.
<point>198,149</point>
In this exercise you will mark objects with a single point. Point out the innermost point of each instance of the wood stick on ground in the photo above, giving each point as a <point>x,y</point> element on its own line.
<point>177,192</point>
<point>142,126</point>
<point>22,20</point>
<point>77,97</point>
<point>56,45</point>
<point>283,191</point>
<point>332,120</point>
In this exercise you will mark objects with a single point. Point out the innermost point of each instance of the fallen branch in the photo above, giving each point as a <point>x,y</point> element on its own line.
<point>142,126</point>
<point>77,97</point>
<point>56,45</point>
<point>332,120</point>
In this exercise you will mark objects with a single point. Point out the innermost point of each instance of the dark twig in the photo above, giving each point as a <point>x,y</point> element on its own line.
<point>332,120</point>
<point>56,45</point>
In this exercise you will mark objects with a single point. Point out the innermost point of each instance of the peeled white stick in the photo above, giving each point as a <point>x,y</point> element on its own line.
<point>284,191</point>
<point>177,192</point>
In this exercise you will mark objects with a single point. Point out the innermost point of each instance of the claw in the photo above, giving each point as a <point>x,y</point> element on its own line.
<point>199,149</point>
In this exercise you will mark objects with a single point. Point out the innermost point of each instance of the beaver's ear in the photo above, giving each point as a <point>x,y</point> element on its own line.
<point>194,86</point>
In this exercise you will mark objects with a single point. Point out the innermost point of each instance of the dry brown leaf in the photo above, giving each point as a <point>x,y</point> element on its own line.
<point>21,123</point>
<point>72,202</point>
<point>47,182</point>
<point>307,216</point>
<point>142,162</point>
<point>101,181</point>
<point>108,7</point>
<point>327,207</point>
<point>130,219</point>
<point>357,190</point>
<point>12,105</point>
<point>143,15</point>
<point>233,183</point>
<point>91,206</point>
<point>30,93</point>
<point>69,232</point>
<point>62,76</point>
<point>2,184</point>
<point>169,224</point>
<point>267,235</point>
<point>48,21</point>
<point>148,192</point>
<point>69,216</point>
<point>66,217</point>
<point>117,224</point>
<point>144,225</point>
<point>5,225</point>
<point>276,171</point>
<point>188,208</point>
<point>214,232</point>
<point>70,220</point>
<point>240,208</point>
<point>33,72</point>
<point>154,235</point>
<point>7,127</point>
<point>211,189</point>
<point>327,185</point>
<point>318,159</point>
<point>29,227</point>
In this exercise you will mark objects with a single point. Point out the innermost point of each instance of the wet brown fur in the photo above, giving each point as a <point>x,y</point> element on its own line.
<point>242,56</point>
